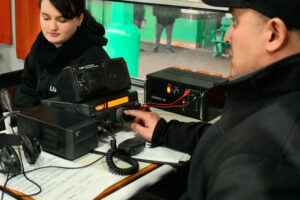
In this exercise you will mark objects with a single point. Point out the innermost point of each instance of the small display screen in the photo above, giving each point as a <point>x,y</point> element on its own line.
<point>117,102</point>
<point>113,103</point>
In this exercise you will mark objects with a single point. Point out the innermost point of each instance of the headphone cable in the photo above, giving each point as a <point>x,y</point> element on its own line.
<point>61,167</point>
<point>24,173</point>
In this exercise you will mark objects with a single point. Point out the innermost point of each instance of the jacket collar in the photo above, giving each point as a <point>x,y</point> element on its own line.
<point>280,77</point>
<point>52,58</point>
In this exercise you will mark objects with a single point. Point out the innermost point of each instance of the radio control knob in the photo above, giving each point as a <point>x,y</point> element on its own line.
<point>121,117</point>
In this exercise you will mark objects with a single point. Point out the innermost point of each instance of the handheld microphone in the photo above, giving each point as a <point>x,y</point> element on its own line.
<point>6,100</point>
<point>7,104</point>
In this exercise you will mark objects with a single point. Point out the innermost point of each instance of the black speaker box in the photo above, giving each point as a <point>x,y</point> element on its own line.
<point>65,134</point>
<point>87,82</point>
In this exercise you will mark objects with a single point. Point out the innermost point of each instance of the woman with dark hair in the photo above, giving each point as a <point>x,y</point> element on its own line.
<point>69,36</point>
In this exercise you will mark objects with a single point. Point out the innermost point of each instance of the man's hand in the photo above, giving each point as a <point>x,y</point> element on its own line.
<point>144,122</point>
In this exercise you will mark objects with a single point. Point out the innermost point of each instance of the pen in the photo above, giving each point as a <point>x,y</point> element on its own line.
<point>15,192</point>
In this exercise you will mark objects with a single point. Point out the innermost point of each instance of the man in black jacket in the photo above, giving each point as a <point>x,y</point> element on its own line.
<point>253,151</point>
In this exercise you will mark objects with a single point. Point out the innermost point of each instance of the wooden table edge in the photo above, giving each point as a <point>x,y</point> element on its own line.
<point>126,181</point>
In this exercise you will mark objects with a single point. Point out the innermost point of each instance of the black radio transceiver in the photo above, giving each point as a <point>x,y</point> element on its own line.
<point>102,109</point>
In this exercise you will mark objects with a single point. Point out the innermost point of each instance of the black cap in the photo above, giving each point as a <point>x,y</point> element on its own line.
<point>287,10</point>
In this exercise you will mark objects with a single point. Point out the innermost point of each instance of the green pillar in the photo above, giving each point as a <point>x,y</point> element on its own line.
<point>96,10</point>
<point>123,36</point>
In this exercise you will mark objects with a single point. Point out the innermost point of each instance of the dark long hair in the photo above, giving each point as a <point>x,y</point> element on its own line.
<point>74,8</point>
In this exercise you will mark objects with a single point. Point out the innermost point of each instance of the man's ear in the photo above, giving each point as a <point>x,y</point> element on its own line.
<point>276,34</point>
<point>81,16</point>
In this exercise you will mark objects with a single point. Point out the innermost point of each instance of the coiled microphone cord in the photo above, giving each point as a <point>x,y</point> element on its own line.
<point>114,152</point>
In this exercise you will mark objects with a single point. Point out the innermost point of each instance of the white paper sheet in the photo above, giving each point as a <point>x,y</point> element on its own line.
<point>85,183</point>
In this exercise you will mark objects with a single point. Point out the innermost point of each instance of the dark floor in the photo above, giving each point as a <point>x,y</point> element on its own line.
<point>195,59</point>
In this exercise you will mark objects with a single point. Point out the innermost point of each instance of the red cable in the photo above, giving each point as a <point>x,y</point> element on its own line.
<point>168,105</point>
<point>187,92</point>
<point>174,106</point>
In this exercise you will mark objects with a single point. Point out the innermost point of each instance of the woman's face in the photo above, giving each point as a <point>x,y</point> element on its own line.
<point>57,29</point>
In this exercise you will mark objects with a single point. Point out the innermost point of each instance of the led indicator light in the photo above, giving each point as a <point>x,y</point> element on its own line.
<point>169,89</point>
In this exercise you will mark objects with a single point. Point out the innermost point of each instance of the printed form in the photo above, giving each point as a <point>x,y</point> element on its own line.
<point>57,183</point>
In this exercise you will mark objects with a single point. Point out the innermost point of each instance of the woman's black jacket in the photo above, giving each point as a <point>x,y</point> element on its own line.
<point>44,63</point>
